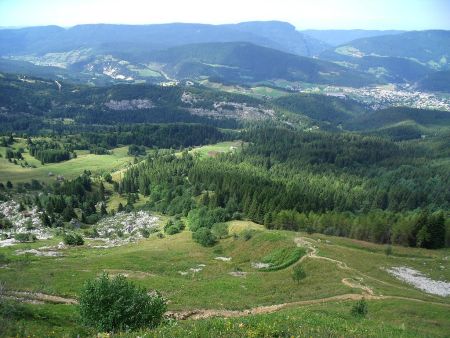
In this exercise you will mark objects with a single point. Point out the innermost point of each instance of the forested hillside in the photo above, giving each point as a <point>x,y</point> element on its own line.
<point>348,185</point>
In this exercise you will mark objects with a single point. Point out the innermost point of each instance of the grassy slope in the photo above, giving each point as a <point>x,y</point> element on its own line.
<point>155,263</point>
<point>221,147</point>
<point>390,318</point>
<point>69,169</point>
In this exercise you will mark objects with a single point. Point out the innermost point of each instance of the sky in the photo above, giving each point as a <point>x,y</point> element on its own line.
<point>304,14</point>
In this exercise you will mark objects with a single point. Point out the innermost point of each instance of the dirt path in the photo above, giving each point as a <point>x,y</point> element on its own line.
<point>209,313</point>
<point>350,282</point>
<point>367,293</point>
<point>37,297</point>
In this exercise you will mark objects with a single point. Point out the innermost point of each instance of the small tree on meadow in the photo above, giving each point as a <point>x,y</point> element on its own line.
<point>360,308</point>
<point>298,273</point>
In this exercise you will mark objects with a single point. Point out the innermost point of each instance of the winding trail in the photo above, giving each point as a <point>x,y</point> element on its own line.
<point>195,314</point>
<point>37,297</point>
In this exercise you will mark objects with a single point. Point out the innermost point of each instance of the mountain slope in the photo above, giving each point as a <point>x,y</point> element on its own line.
<point>395,115</point>
<point>248,63</point>
<point>430,48</point>
<point>321,107</point>
<point>336,37</point>
<point>398,58</point>
<point>438,81</point>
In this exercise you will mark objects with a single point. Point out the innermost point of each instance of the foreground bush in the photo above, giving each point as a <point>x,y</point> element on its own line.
<point>115,304</point>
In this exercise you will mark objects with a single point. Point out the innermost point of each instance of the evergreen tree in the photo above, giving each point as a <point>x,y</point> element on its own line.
<point>68,213</point>
<point>103,211</point>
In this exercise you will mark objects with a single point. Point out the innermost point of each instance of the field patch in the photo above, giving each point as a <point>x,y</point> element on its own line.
<point>67,169</point>
<point>282,258</point>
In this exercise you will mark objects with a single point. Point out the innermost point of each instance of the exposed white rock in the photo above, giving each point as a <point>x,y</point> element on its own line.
<point>223,259</point>
<point>260,265</point>
<point>127,226</point>
<point>39,253</point>
<point>420,281</point>
<point>27,221</point>
<point>129,104</point>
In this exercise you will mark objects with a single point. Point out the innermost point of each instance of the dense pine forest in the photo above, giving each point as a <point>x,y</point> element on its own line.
<point>363,187</point>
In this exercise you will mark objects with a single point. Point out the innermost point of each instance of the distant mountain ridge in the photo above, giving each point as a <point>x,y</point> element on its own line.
<point>403,57</point>
<point>244,62</point>
<point>336,37</point>
<point>142,39</point>
<point>242,53</point>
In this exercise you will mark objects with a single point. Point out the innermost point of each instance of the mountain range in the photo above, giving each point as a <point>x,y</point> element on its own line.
<point>244,53</point>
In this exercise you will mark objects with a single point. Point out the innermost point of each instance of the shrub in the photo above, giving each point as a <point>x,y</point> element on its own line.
<point>172,230</point>
<point>298,273</point>
<point>107,177</point>
<point>144,232</point>
<point>4,259</point>
<point>388,250</point>
<point>113,304</point>
<point>173,227</point>
<point>5,223</point>
<point>91,233</point>
<point>220,230</point>
<point>360,308</point>
<point>25,237</point>
<point>73,239</point>
<point>247,234</point>
<point>204,237</point>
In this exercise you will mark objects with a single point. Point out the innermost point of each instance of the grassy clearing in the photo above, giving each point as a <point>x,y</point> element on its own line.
<point>115,199</point>
<point>268,92</point>
<point>69,169</point>
<point>215,149</point>
<point>145,72</point>
<point>236,227</point>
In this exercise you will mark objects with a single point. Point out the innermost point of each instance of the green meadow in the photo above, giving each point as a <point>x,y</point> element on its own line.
<point>224,278</point>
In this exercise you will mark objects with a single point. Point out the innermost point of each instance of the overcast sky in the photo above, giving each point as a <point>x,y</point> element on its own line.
<point>304,14</point>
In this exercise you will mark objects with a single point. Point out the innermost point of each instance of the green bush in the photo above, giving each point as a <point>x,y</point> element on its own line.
<point>25,237</point>
<point>172,230</point>
<point>73,239</point>
<point>173,227</point>
<point>388,250</point>
<point>220,230</point>
<point>91,233</point>
<point>113,304</point>
<point>204,236</point>
<point>247,234</point>
<point>360,308</point>
<point>144,232</point>
<point>4,259</point>
<point>298,273</point>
